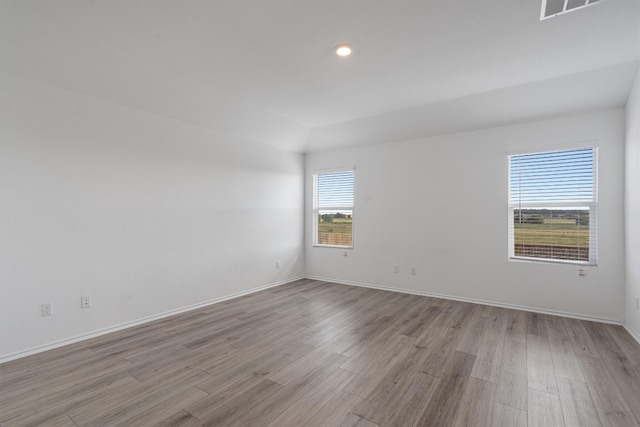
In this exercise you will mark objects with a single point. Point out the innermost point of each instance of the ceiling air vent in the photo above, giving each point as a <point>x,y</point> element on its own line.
<point>551,8</point>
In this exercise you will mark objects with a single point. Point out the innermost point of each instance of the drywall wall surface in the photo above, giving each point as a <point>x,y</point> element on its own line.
<point>145,214</point>
<point>632,209</point>
<point>439,204</point>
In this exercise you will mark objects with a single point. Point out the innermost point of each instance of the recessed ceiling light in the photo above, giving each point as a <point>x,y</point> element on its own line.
<point>343,50</point>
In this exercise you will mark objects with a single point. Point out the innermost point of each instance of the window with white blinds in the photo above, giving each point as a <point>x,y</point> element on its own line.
<point>333,208</point>
<point>553,206</point>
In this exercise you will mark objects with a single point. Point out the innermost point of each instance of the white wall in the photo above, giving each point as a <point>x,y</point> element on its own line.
<point>440,204</point>
<point>632,210</point>
<point>149,215</point>
<point>145,214</point>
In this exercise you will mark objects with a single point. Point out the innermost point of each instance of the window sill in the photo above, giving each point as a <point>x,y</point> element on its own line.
<point>315,245</point>
<point>552,261</point>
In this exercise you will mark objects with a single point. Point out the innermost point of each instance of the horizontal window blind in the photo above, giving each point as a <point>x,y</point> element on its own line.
<point>560,176</point>
<point>335,190</point>
<point>333,208</point>
<point>552,205</point>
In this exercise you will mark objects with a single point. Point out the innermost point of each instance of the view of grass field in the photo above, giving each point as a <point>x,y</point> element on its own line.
<point>338,225</point>
<point>335,229</point>
<point>563,228</point>
<point>557,234</point>
<point>552,231</point>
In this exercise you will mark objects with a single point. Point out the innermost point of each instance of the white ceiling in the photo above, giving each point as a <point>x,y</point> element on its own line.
<point>265,70</point>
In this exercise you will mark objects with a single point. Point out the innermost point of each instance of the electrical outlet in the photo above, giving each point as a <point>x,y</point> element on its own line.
<point>396,268</point>
<point>414,271</point>
<point>277,264</point>
<point>47,309</point>
<point>85,302</point>
<point>582,272</point>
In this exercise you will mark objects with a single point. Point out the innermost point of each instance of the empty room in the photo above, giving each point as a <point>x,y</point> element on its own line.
<point>319,213</point>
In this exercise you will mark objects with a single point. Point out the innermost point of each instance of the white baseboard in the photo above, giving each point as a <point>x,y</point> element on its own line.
<point>148,319</point>
<point>635,334</point>
<point>82,337</point>
<point>474,301</point>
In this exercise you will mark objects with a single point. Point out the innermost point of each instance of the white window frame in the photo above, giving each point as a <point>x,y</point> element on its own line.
<point>316,208</point>
<point>591,206</point>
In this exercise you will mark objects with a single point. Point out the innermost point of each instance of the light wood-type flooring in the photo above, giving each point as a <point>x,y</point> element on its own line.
<point>320,354</point>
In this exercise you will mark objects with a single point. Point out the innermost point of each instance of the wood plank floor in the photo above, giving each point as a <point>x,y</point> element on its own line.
<point>321,354</point>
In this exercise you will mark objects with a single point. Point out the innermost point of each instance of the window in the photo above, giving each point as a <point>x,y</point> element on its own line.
<point>333,208</point>
<point>552,206</point>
